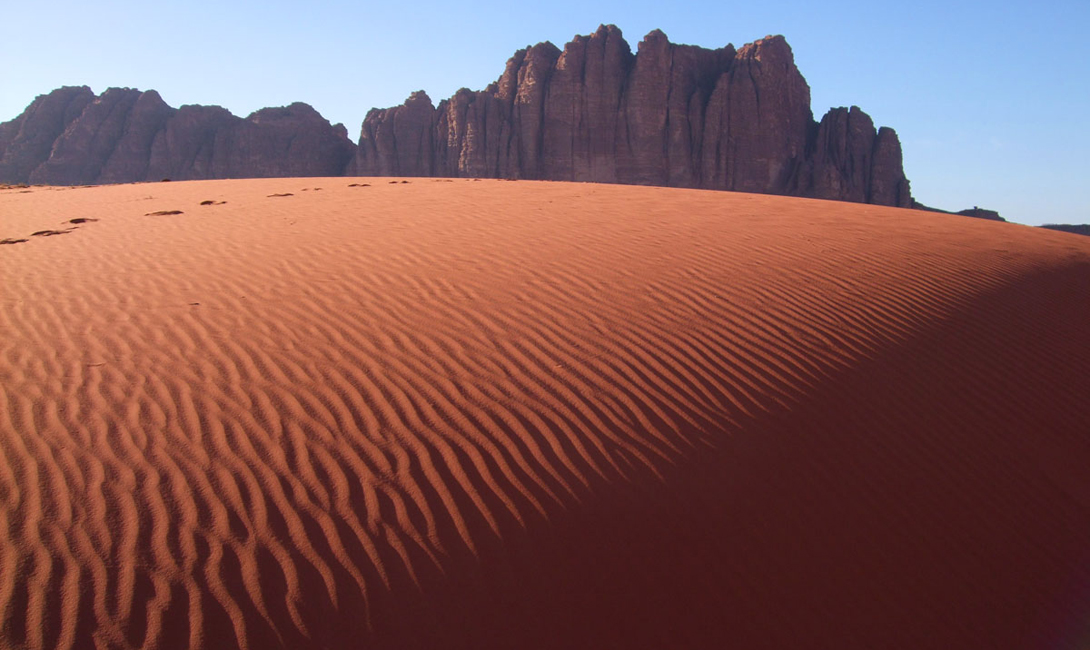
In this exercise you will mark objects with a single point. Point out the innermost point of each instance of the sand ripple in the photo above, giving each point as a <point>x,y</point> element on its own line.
<point>537,415</point>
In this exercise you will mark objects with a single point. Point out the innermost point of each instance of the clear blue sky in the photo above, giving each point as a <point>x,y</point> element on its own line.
<point>991,99</point>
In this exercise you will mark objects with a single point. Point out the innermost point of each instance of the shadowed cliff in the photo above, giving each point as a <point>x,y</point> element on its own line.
<point>674,115</point>
<point>72,137</point>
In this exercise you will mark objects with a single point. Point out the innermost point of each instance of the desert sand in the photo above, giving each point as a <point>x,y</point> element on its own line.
<point>458,414</point>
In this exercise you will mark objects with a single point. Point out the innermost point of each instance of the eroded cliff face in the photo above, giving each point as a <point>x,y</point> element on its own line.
<point>851,161</point>
<point>674,115</point>
<point>27,141</point>
<point>71,137</point>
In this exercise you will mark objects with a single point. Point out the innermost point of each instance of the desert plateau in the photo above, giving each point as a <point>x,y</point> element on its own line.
<point>370,412</point>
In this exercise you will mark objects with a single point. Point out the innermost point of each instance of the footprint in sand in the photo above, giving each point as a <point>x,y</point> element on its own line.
<point>359,185</point>
<point>163,213</point>
<point>275,195</point>
<point>40,233</point>
<point>211,202</point>
<point>81,220</point>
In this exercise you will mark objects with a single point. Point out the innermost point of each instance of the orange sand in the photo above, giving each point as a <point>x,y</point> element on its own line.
<point>536,415</point>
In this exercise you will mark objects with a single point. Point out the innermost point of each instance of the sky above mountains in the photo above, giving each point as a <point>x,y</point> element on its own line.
<point>989,98</point>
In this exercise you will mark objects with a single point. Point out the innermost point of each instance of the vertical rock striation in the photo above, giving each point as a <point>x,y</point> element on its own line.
<point>71,137</point>
<point>674,115</point>
<point>27,141</point>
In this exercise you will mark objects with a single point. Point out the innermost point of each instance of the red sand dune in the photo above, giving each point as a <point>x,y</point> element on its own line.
<point>536,415</point>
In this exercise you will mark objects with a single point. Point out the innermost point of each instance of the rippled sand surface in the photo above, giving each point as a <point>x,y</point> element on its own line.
<point>326,413</point>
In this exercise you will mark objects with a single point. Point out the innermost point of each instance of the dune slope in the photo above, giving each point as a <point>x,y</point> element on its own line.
<point>539,415</point>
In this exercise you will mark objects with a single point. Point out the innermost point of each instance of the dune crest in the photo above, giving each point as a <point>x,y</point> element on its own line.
<point>536,415</point>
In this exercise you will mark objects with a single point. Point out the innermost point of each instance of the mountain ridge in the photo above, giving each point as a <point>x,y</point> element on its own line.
<point>667,114</point>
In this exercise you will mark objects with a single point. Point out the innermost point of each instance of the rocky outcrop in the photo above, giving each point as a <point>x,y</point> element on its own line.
<point>402,141</point>
<point>71,137</point>
<point>101,143</point>
<point>675,115</point>
<point>1078,229</point>
<point>669,114</point>
<point>27,141</point>
<point>131,157</point>
<point>210,142</point>
<point>850,161</point>
<point>981,213</point>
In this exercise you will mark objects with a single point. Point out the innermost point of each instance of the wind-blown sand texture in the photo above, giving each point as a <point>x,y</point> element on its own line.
<point>536,415</point>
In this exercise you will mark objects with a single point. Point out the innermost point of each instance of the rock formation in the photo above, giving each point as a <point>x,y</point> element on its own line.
<point>981,213</point>
<point>27,141</point>
<point>71,137</point>
<point>674,115</point>
<point>1078,229</point>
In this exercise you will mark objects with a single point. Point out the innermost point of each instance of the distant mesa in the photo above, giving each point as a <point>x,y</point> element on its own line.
<point>1078,229</point>
<point>981,213</point>
<point>976,212</point>
<point>992,215</point>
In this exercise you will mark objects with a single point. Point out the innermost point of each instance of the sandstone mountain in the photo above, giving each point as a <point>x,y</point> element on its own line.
<point>674,115</point>
<point>72,137</point>
<point>669,114</point>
